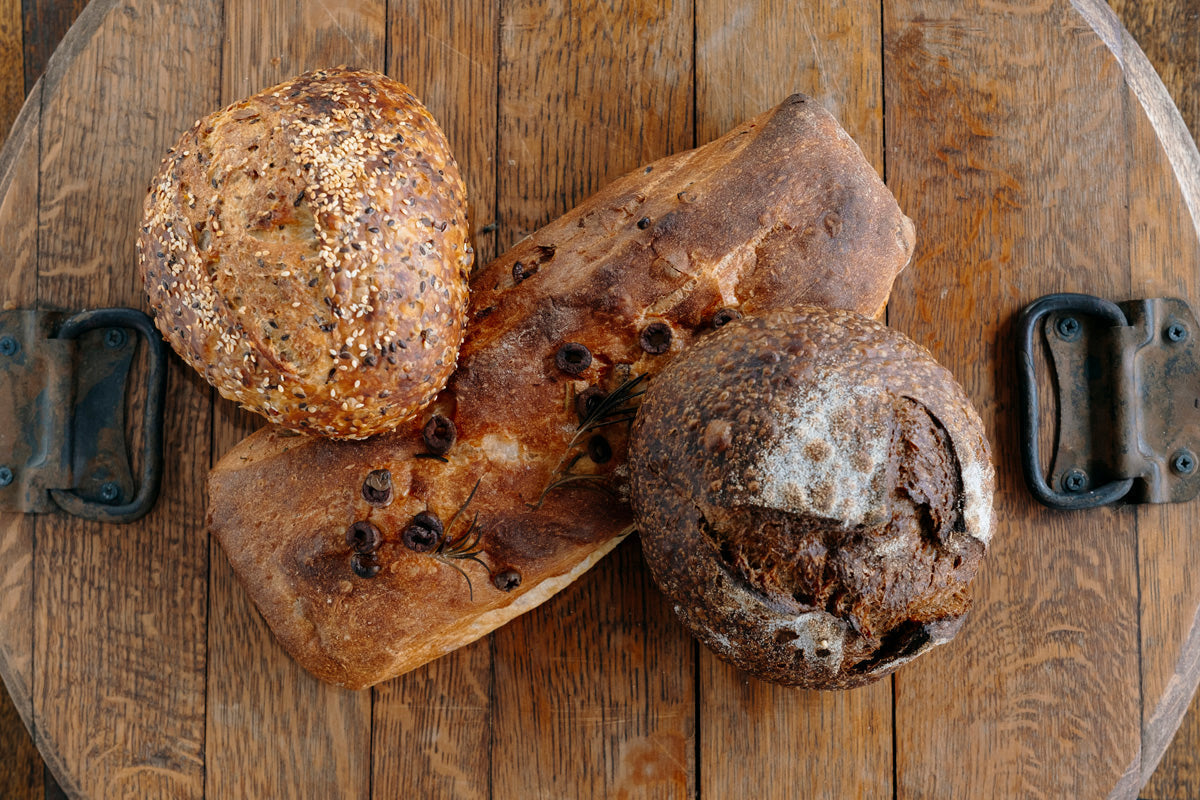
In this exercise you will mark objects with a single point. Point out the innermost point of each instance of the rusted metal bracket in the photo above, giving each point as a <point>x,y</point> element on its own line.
<point>1126,379</point>
<point>62,413</point>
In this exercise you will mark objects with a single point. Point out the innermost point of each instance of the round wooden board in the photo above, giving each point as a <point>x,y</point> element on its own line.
<point>1036,152</point>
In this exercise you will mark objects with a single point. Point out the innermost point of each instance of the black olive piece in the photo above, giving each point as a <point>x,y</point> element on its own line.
<point>656,338</point>
<point>364,565</point>
<point>377,488</point>
<point>506,580</point>
<point>424,533</point>
<point>643,223</point>
<point>587,401</point>
<point>599,450</point>
<point>520,272</point>
<point>363,537</point>
<point>573,358</point>
<point>724,316</point>
<point>439,434</point>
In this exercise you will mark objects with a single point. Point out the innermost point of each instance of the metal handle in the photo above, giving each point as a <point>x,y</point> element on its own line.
<point>1027,325</point>
<point>152,421</point>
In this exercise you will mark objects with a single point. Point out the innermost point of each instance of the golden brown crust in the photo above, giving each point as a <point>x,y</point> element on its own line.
<point>306,250</point>
<point>813,493</point>
<point>635,274</point>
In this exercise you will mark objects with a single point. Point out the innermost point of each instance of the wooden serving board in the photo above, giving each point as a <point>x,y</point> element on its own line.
<point>1036,152</point>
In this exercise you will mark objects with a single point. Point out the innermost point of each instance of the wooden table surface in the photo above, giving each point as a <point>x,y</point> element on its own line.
<point>1077,635</point>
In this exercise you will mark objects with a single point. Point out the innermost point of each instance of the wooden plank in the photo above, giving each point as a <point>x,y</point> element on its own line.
<point>44,23</point>
<point>593,691</point>
<point>432,727</point>
<point>20,765</point>
<point>12,64</point>
<point>833,744</point>
<point>1164,241</point>
<point>996,124</point>
<point>1164,249</point>
<point>18,289</point>
<point>273,729</point>
<point>1177,776</point>
<point>143,585</point>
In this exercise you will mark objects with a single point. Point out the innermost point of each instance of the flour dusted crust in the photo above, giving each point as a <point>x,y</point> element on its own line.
<point>782,210</point>
<point>814,494</point>
<point>306,250</point>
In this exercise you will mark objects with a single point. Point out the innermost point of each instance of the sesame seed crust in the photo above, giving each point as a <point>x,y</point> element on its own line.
<point>306,250</point>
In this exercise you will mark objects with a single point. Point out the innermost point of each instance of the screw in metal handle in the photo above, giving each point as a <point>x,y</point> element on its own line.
<point>1075,480</point>
<point>1177,332</point>
<point>6,476</point>
<point>115,338</point>
<point>1183,462</point>
<point>9,346</point>
<point>1068,328</point>
<point>109,492</point>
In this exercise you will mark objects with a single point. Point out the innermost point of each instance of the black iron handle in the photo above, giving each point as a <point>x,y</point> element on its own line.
<point>152,420</point>
<point>1027,326</point>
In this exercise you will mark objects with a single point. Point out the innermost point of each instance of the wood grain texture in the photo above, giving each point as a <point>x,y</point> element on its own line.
<point>20,765</point>
<point>44,24</point>
<point>832,52</point>
<point>273,729</point>
<point>594,689</point>
<point>1164,225</point>
<point>144,585</point>
<point>432,728</point>
<point>1047,665</point>
<point>1167,33</point>
<point>12,64</point>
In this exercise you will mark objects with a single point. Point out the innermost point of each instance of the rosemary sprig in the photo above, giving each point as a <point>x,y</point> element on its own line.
<point>612,409</point>
<point>615,408</point>
<point>463,547</point>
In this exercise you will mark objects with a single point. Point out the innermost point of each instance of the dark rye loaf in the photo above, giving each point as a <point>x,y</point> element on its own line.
<point>814,494</point>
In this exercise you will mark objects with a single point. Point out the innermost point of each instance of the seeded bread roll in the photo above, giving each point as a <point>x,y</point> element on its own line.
<point>814,494</point>
<point>306,250</point>
<point>368,559</point>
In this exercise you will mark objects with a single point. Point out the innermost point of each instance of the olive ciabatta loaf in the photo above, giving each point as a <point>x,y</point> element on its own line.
<point>370,558</point>
<point>306,250</point>
<point>814,495</point>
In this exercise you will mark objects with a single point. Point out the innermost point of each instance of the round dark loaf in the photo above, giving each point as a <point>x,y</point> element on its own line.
<point>814,494</point>
<point>306,250</point>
